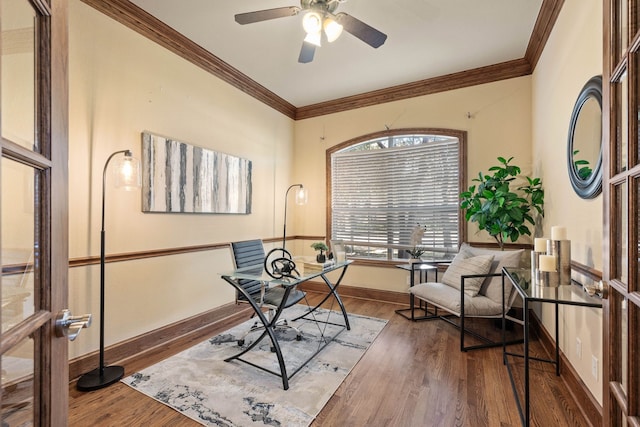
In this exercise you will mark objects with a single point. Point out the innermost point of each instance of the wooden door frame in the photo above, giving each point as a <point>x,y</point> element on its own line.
<point>58,394</point>
<point>50,160</point>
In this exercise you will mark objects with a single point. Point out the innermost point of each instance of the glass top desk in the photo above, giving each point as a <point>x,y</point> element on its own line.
<point>560,295</point>
<point>258,273</point>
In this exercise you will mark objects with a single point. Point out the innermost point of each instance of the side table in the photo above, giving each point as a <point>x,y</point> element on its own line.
<point>422,269</point>
<point>560,295</point>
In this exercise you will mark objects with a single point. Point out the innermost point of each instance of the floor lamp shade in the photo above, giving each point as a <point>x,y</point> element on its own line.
<point>127,176</point>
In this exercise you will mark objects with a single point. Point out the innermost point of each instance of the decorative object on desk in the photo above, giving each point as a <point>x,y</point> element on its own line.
<point>199,384</point>
<point>560,247</point>
<point>127,174</point>
<point>182,178</point>
<point>492,200</point>
<point>539,247</point>
<point>339,250</point>
<point>320,246</point>
<point>548,273</point>
<point>316,266</point>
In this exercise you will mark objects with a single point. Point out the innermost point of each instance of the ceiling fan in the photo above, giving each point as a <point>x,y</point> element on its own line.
<point>319,16</point>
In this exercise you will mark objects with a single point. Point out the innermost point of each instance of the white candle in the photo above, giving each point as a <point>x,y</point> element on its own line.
<point>547,263</point>
<point>558,233</point>
<point>540,244</point>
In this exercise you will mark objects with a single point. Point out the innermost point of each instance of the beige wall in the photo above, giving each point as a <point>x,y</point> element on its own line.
<point>499,125</point>
<point>122,84</point>
<point>572,56</point>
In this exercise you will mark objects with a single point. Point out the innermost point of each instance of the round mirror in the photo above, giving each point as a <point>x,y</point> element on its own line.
<point>584,148</point>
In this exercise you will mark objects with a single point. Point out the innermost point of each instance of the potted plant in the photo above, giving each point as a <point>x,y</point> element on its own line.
<point>416,253</point>
<point>320,246</point>
<point>502,211</point>
<point>416,238</point>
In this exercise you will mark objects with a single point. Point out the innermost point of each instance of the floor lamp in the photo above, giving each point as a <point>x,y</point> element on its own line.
<point>301,199</point>
<point>127,174</point>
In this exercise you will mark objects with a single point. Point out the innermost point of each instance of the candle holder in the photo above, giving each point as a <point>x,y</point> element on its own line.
<point>561,249</point>
<point>548,279</point>
<point>535,267</point>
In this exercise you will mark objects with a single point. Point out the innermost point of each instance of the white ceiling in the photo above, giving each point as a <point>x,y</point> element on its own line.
<point>426,38</point>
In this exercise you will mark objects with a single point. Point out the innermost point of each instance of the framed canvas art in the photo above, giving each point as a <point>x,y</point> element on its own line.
<point>178,177</point>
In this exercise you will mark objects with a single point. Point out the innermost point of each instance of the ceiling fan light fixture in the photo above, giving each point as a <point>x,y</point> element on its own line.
<point>314,38</point>
<point>332,29</point>
<point>312,22</point>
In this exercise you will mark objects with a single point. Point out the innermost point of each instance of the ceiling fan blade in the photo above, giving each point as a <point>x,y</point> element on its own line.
<point>307,52</point>
<point>364,32</point>
<point>265,15</point>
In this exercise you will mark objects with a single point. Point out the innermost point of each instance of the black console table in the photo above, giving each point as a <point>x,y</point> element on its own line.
<point>560,295</point>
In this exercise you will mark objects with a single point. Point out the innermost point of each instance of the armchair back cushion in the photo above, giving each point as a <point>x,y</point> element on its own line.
<point>492,286</point>
<point>466,263</point>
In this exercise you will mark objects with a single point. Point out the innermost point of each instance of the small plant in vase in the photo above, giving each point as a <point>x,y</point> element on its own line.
<point>416,238</point>
<point>416,253</point>
<point>320,246</point>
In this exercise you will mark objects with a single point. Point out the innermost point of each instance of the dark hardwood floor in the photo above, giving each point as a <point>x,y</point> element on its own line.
<point>413,375</point>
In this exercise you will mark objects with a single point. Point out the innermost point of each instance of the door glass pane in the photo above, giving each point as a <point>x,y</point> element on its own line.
<point>620,235</point>
<point>17,385</point>
<point>17,104</point>
<point>622,124</point>
<point>623,27</point>
<point>18,242</point>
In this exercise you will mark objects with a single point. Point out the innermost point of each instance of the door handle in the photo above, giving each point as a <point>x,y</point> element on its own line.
<point>70,326</point>
<point>601,289</point>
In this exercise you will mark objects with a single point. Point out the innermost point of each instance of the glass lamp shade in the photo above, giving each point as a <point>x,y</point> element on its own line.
<point>312,22</point>
<point>314,38</point>
<point>127,173</point>
<point>302,195</point>
<point>332,29</point>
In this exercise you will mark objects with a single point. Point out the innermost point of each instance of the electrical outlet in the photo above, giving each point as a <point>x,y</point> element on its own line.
<point>408,281</point>
<point>594,367</point>
<point>578,348</point>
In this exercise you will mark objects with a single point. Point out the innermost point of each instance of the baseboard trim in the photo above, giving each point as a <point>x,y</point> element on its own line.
<point>193,329</point>
<point>591,409</point>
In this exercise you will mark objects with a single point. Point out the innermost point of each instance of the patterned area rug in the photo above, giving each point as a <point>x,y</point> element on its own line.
<point>201,385</point>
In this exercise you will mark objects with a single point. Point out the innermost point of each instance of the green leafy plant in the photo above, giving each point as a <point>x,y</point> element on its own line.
<point>417,251</point>
<point>320,246</point>
<point>503,212</point>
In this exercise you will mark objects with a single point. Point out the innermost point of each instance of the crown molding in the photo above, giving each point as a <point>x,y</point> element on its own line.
<point>137,19</point>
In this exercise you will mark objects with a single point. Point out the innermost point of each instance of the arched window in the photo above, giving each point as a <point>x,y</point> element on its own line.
<point>382,186</point>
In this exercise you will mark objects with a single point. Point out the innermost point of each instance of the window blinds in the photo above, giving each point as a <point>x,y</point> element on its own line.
<point>378,196</point>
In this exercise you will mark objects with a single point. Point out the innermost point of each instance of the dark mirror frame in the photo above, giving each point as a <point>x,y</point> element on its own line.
<point>590,187</point>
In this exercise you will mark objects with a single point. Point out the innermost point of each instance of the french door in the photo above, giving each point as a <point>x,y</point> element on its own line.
<point>33,211</point>
<point>621,192</point>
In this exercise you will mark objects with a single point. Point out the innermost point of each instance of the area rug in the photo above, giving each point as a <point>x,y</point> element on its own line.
<point>201,385</point>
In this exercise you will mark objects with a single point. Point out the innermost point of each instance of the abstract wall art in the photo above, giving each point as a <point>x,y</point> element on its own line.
<point>181,178</point>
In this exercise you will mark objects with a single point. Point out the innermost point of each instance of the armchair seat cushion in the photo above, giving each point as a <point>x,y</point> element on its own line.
<point>448,298</point>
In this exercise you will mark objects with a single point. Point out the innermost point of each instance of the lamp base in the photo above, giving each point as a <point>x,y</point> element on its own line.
<point>94,381</point>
